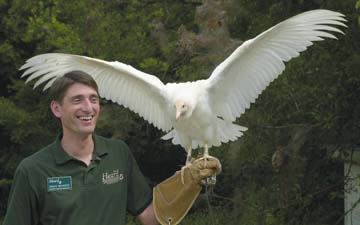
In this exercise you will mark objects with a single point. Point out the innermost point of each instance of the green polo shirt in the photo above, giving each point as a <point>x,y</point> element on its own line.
<point>51,187</point>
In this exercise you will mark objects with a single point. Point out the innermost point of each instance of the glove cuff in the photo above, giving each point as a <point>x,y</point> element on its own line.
<point>172,199</point>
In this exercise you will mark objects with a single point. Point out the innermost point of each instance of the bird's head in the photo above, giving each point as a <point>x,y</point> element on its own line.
<point>183,110</point>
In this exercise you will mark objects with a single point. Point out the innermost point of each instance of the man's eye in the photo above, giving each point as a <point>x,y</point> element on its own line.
<point>94,99</point>
<point>76,100</point>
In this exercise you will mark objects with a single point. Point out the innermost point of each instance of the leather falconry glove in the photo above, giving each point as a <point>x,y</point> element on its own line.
<point>173,198</point>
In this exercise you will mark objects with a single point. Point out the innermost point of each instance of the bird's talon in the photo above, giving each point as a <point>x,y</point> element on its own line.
<point>182,175</point>
<point>207,158</point>
<point>182,172</point>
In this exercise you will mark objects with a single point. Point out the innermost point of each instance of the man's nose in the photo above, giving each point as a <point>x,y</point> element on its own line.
<point>87,105</point>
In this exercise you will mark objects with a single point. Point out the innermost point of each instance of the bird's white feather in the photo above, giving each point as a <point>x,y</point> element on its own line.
<point>238,80</point>
<point>118,82</point>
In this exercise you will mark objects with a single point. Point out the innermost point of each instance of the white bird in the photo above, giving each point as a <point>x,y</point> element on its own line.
<point>198,113</point>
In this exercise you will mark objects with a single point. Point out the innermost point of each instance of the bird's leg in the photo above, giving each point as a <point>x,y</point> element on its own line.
<point>187,163</point>
<point>209,180</point>
<point>206,153</point>
<point>188,157</point>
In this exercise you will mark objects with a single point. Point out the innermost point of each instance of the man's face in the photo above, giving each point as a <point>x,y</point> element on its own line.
<point>79,110</point>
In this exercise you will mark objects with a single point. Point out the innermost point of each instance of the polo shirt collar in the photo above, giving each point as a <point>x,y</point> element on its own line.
<point>99,149</point>
<point>62,157</point>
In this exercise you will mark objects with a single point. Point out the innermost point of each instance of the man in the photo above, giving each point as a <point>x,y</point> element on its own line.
<point>83,178</point>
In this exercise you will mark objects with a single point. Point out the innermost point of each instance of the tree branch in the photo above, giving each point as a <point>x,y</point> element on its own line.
<point>351,209</point>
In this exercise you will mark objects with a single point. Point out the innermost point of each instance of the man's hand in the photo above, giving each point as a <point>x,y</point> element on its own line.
<point>202,169</point>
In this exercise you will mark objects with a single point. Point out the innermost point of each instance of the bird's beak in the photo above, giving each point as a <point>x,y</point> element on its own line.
<point>178,114</point>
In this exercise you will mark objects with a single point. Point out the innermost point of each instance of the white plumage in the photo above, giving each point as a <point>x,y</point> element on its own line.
<point>198,113</point>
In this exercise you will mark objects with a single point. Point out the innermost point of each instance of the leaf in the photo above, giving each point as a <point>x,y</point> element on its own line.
<point>357,5</point>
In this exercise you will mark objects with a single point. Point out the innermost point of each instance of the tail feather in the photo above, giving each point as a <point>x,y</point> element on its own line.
<point>226,131</point>
<point>176,138</point>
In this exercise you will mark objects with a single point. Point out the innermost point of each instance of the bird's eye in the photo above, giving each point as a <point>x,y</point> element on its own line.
<point>183,106</point>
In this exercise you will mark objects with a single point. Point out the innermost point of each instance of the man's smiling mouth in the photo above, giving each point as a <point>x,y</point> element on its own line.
<point>85,118</point>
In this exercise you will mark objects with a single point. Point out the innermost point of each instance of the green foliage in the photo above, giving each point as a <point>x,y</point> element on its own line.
<point>357,6</point>
<point>48,31</point>
<point>204,217</point>
<point>153,65</point>
<point>14,120</point>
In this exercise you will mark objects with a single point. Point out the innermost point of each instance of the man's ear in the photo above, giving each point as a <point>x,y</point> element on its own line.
<point>55,108</point>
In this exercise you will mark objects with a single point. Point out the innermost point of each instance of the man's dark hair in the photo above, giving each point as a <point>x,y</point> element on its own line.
<point>61,84</point>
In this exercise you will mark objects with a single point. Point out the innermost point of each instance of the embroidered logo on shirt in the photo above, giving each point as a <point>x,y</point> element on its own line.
<point>59,183</point>
<point>112,177</point>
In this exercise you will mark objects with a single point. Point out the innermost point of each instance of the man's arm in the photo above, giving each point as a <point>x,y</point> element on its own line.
<point>22,204</point>
<point>147,217</point>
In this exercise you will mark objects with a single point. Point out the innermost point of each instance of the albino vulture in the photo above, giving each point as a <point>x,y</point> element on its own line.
<point>198,113</point>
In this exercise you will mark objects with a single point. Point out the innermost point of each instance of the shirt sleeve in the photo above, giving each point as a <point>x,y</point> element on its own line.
<point>139,192</point>
<point>22,204</point>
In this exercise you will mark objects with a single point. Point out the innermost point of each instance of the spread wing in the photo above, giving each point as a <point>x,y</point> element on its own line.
<point>118,82</point>
<point>238,80</point>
